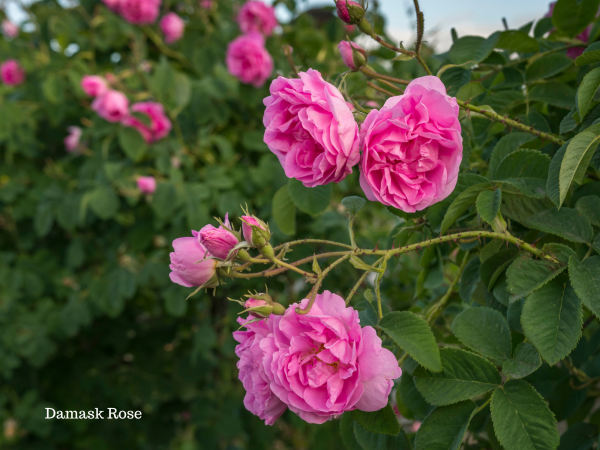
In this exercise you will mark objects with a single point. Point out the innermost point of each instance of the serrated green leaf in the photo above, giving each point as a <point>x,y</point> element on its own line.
<point>383,421</point>
<point>488,204</point>
<point>552,320</point>
<point>568,123</point>
<point>461,204</point>
<point>522,419</point>
<point>464,375</point>
<point>284,211</point>
<point>469,279</point>
<point>353,204</point>
<point>485,331</point>
<point>505,146</point>
<point>525,361</point>
<point>577,158</point>
<point>547,66</point>
<point>590,55</point>
<point>445,427</point>
<point>414,336</point>
<point>520,207</point>
<point>553,183</point>
<point>553,93</point>
<point>588,87</point>
<point>589,206</point>
<point>585,278</point>
<point>495,265</point>
<point>526,275</point>
<point>372,441</point>
<point>310,200</point>
<point>566,222</point>
<point>561,252</point>
<point>347,432</point>
<point>411,403</point>
<point>527,170</point>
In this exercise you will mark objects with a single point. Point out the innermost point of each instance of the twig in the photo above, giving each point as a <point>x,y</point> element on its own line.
<point>288,54</point>
<point>380,89</point>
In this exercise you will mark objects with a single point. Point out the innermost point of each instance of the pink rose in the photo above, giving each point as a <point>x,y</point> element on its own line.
<point>255,16</point>
<point>259,398</point>
<point>139,12</point>
<point>218,241</point>
<point>112,106</point>
<point>412,147</point>
<point>584,36</point>
<point>323,363</point>
<point>72,140</point>
<point>189,263</point>
<point>113,5</point>
<point>146,184</point>
<point>94,85</point>
<point>349,11</point>
<point>172,27</point>
<point>310,129</point>
<point>247,222</point>
<point>206,4</point>
<point>10,29</point>
<point>160,125</point>
<point>353,59</point>
<point>11,73</point>
<point>248,60</point>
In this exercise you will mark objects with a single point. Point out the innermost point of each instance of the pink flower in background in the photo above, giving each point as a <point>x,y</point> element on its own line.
<point>11,73</point>
<point>248,60</point>
<point>218,241</point>
<point>172,27</point>
<point>113,5</point>
<point>147,185</point>
<point>584,36</point>
<point>206,4</point>
<point>72,140</point>
<point>10,29</point>
<point>348,55</point>
<point>188,264</point>
<point>310,129</point>
<point>412,147</point>
<point>94,85</point>
<point>112,106</point>
<point>259,398</point>
<point>159,126</point>
<point>139,12</point>
<point>414,427</point>
<point>256,16</point>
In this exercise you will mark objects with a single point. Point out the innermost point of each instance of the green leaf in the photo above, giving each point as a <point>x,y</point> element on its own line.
<point>552,320</point>
<point>414,336</point>
<point>554,93</point>
<point>104,202</point>
<point>132,143</point>
<point>353,204</point>
<point>520,207</point>
<point>411,403</point>
<point>589,206</point>
<point>587,89</point>
<point>505,146</point>
<point>372,441</point>
<point>526,275</point>
<point>568,123</point>
<point>585,278</point>
<point>517,41</point>
<point>347,432</point>
<point>464,375</point>
<point>469,279</point>
<point>580,436</point>
<point>470,91</point>
<point>527,170</point>
<point>493,267</point>
<point>284,211</point>
<point>547,66</point>
<point>573,16</point>
<point>310,200</point>
<point>472,48</point>
<point>525,361</point>
<point>553,183</point>
<point>164,200</point>
<point>484,330</point>
<point>183,90</point>
<point>488,204</point>
<point>445,427</point>
<point>566,222</point>
<point>590,55</point>
<point>577,158</point>
<point>461,204</point>
<point>383,421</point>
<point>522,419</point>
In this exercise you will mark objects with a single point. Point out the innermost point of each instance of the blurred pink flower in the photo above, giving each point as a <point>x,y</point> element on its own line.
<point>188,264</point>
<point>139,12</point>
<point>10,29</point>
<point>11,73</point>
<point>113,5</point>
<point>172,27</point>
<point>159,126</point>
<point>72,140</point>
<point>248,60</point>
<point>112,106</point>
<point>256,16</point>
<point>147,185</point>
<point>94,85</point>
<point>206,4</point>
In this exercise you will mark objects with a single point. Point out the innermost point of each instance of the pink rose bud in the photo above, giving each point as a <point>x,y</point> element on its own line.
<point>10,29</point>
<point>206,4</point>
<point>159,127</point>
<point>172,27</point>
<point>420,164</point>
<point>258,308</point>
<point>354,59</point>
<point>11,73</point>
<point>189,263</point>
<point>255,231</point>
<point>146,184</point>
<point>112,106</point>
<point>248,60</point>
<point>94,85</point>
<point>72,140</point>
<point>350,12</point>
<point>414,427</point>
<point>219,241</point>
<point>313,111</point>
<point>255,16</point>
<point>139,12</point>
<point>113,5</point>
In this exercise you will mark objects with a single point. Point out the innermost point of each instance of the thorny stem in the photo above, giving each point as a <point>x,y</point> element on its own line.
<point>289,266</point>
<point>314,241</point>
<point>420,27</point>
<point>356,286</point>
<point>315,289</point>
<point>435,310</point>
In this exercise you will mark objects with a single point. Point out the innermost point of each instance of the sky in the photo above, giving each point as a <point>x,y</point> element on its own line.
<point>478,17</point>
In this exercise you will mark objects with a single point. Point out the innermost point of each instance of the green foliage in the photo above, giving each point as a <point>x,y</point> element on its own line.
<point>485,331</point>
<point>445,427</point>
<point>383,421</point>
<point>525,361</point>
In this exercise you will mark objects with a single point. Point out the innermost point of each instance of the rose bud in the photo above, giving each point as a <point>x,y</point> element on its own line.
<point>261,305</point>
<point>355,57</point>
<point>255,231</point>
<point>146,184</point>
<point>349,11</point>
<point>93,85</point>
<point>219,241</point>
<point>172,27</point>
<point>112,106</point>
<point>72,140</point>
<point>190,265</point>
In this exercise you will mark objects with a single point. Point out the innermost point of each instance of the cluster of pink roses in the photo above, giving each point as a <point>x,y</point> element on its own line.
<point>11,73</point>
<point>247,58</point>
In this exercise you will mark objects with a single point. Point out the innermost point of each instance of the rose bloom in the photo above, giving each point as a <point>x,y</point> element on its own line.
<point>112,106</point>
<point>218,241</point>
<point>258,17</point>
<point>72,140</point>
<point>248,60</point>
<point>139,12</point>
<point>412,147</point>
<point>146,185</point>
<point>172,27</point>
<point>319,364</point>
<point>94,85</point>
<point>160,125</point>
<point>311,129</point>
<point>189,264</point>
<point>10,29</point>
<point>348,54</point>
<point>11,73</point>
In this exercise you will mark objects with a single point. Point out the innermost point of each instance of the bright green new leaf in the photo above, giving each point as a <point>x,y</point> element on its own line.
<point>526,275</point>
<point>589,206</point>
<point>445,427</point>
<point>488,204</point>
<point>585,278</point>
<point>310,200</point>
<point>573,16</point>
<point>461,204</point>
<point>484,330</point>
<point>586,91</point>
<point>383,421</point>
<point>284,211</point>
<point>577,158</point>
<point>525,361</point>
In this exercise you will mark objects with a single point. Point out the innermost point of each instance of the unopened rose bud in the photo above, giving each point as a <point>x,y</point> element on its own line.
<point>349,11</point>
<point>255,231</point>
<point>260,307</point>
<point>353,55</point>
<point>219,241</point>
